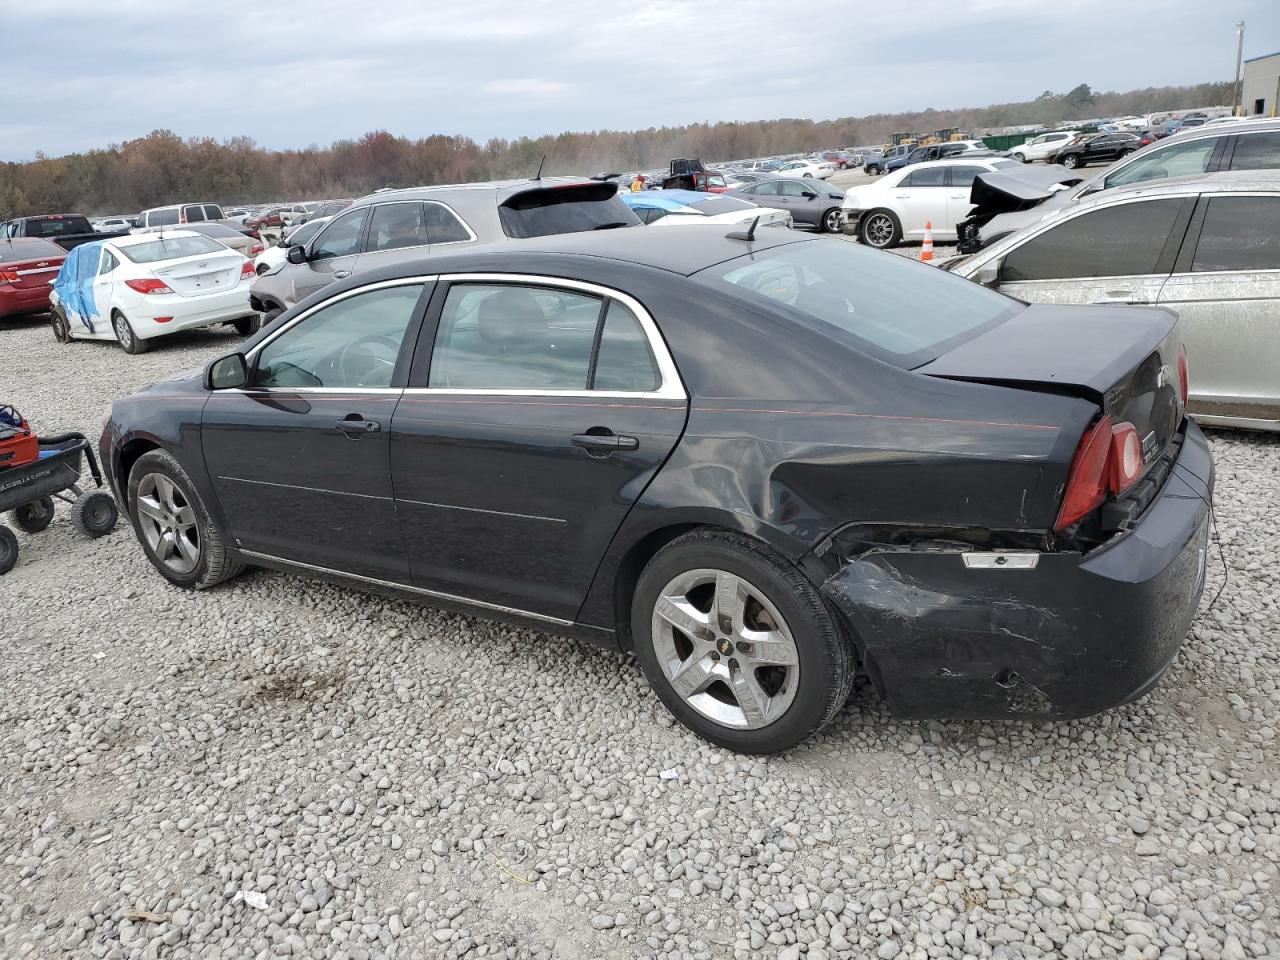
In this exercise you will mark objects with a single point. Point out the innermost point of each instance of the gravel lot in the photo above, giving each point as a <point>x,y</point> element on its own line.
<point>278,767</point>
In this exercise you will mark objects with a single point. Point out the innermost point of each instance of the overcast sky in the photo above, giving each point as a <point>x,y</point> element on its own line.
<point>86,73</point>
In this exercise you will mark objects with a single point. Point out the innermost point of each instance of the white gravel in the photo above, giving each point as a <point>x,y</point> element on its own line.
<point>284,768</point>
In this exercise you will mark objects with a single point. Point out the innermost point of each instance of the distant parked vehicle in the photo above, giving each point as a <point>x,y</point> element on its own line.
<point>291,213</point>
<point>27,264</point>
<point>265,219</point>
<point>842,159</point>
<point>179,213</point>
<point>113,224</point>
<point>1206,247</point>
<point>806,169</point>
<point>669,208</point>
<point>937,151</point>
<point>324,210</point>
<point>877,165</point>
<point>67,230</point>
<point>1042,147</point>
<point>1097,148</point>
<point>810,202</point>
<point>239,241</point>
<point>273,257</point>
<point>139,287</point>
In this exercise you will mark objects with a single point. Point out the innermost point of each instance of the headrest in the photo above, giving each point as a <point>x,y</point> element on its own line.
<point>511,317</point>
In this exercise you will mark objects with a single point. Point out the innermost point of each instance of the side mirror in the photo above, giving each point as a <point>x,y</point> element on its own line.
<point>297,254</point>
<point>810,195</point>
<point>989,273</point>
<point>227,373</point>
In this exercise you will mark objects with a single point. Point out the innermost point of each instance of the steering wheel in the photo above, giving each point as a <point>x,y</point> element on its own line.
<point>356,360</point>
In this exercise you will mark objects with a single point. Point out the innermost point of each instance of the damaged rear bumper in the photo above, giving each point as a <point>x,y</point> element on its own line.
<point>1070,636</point>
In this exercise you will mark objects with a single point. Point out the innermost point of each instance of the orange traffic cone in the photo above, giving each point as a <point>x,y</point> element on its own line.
<point>926,248</point>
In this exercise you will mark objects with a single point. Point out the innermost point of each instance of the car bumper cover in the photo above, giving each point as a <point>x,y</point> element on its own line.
<point>1073,635</point>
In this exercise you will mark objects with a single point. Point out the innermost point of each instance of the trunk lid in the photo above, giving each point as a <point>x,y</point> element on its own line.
<point>30,263</point>
<point>1125,359</point>
<point>201,275</point>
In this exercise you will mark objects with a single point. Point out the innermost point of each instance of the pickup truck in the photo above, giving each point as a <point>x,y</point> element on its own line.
<point>67,230</point>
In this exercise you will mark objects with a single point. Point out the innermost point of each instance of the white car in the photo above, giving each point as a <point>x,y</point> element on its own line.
<point>112,224</point>
<point>272,258</point>
<point>136,288</point>
<point>806,168</point>
<point>289,214</point>
<point>1043,147</point>
<point>675,208</point>
<point>898,205</point>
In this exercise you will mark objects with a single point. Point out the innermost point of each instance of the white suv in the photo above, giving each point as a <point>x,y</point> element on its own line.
<point>1043,147</point>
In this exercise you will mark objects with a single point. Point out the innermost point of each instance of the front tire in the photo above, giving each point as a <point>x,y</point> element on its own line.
<point>738,644</point>
<point>880,229</point>
<point>1071,161</point>
<point>174,527</point>
<point>830,222</point>
<point>1020,157</point>
<point>130,342</point>
<point>61,329</point>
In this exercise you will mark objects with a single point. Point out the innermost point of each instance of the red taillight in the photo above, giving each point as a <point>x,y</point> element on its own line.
<point>163,319</point>
<point>255,249</point>
<point>8,276</point>
<point>148,286</point>
<point>1108,460</point>
<point>1184,374</point>
<point>1087,481</point>
<point>246,269</point>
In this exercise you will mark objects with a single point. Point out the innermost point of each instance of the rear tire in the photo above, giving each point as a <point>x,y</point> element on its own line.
<point>880,229</point>
<point>173,512</point>
<point>8,550</point>
<point>34,516</point>
<point>764,664</point>
<point>61,329</point>
<point>95,513</point>
<point>247,326</point>
<point>1020,157</point>
<point>129,341</point>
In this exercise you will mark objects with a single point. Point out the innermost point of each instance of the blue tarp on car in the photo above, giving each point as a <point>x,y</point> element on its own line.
<point>74,284</point>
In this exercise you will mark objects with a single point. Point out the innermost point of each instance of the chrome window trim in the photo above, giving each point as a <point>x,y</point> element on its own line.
<point>436,594</point>
<point>671,387</point>
<point>418,246</point>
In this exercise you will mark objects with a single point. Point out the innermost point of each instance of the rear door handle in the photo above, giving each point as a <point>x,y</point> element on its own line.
<point>604,442</point>
<point>1120,296</point>
<point>354,424</point>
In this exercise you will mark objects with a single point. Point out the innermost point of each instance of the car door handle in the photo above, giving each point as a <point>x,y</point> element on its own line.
<point>902,196</point>
<point>341,274</point>
<point>1120,296</point>
<point>357,425</point>
<point>604,442</point>
<point>959,196</point>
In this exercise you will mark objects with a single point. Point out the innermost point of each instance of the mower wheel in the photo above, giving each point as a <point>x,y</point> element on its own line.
<point>8,550</point>
<point>95,513</point>
<point>34,516</point>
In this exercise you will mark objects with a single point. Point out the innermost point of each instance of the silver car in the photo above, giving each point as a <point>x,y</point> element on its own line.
<point>1206,247</point>
<point>396,225</point>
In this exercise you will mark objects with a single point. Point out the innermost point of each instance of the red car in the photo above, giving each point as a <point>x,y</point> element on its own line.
<point>27,264</point>
<point>267,218</point>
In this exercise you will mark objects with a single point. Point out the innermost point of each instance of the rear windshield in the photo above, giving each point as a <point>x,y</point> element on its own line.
<point>161,218</point>
<point>895,309</point>
<point>547,211</point>
<point>24,249</point>
<point>57,227</point>
<point>716,205</point>
<point>171,248</point>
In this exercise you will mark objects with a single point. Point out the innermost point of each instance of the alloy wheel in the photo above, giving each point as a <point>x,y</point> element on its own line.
<point>833,221</point>
<point>168,523</point>
<point>725,649</point>
<point>124,333</point>
<point>879,230</point>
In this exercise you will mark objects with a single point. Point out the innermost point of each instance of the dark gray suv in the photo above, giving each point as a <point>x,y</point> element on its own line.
<point>397,225</point>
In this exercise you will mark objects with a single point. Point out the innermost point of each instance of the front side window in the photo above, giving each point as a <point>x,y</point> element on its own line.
<point>1257,151</point>
<point>443,225</point>
<point>964,176</point>
<point>341,237</point>
<point>1175,160</point>
<point>1119,241</point>
<point>352,343</point>
<point>794,189</point>
<point>396,225</point>
<point>770,188</point>
<point>1239,233</point>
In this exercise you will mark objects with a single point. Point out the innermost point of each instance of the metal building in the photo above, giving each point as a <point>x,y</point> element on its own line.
<point>1261,92</point>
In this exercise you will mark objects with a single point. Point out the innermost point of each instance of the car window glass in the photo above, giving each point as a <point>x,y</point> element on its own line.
<point>212,212</point>
<point>194,213</point>
<point>158,218</point>
<point>794,189</point>
<point>353,342</point>
<point>512,337</point>
<point>443,225</point>
<point>964,176</point>
<point>1257,151</point>
<point>770,188</point>
<point>926,177</point>
<point>1175,160</point>
<point>341,237</point>
<point>624,362</point>
<point>1239,233</point>
<point>1123,240</point>
<point>396,225</point>
<point>109,262</point>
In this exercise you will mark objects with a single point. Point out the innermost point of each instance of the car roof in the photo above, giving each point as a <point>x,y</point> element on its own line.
<point>503,188</point>
<point>1224,181</point>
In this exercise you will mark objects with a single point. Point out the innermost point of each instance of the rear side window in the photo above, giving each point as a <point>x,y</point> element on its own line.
<point>623,361</point>
<point>1119,241</point>
<point>926,177</point>
<point>194,213</point>
<point>212,211</point>
<point>443,225</point>
<point>1257,151</point>
<point>544,212</point>
<point>1239,233</point>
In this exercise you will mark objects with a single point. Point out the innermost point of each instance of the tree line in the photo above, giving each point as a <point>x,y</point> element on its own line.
<point>164,168</point>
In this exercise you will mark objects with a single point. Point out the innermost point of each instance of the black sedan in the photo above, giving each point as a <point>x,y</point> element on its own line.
<point>762,463</point>
<point>1099,148</point>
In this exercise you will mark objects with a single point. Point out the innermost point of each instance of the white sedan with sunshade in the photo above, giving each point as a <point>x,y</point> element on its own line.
<point>136,288</point>
<point>898,206</point>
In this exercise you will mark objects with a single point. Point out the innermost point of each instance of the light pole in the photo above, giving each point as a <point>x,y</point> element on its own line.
<point>1235,101</point>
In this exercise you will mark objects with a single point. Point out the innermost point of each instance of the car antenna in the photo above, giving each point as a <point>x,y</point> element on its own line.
<point>748,234</point>
<point>538,175</point>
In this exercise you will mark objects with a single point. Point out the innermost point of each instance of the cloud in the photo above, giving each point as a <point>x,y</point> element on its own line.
<point>506,68</point>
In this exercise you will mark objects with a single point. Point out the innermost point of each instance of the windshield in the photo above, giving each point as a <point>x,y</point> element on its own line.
<point>57,226</point>
<point>894,309</point>
<point>572,208</point>
<point>171,248</point>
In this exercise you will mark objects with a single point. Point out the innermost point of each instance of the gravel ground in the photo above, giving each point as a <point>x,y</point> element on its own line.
<point>283,768</point>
